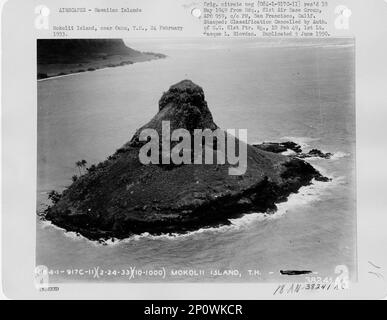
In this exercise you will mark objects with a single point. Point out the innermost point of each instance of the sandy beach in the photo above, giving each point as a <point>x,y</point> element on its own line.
<point>46,71</point>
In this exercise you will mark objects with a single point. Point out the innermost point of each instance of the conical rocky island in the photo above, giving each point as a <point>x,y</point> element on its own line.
<point>121,196</point>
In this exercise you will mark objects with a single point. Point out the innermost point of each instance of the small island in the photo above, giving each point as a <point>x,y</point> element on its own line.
<point>58,57</point>
<point>121,196</point>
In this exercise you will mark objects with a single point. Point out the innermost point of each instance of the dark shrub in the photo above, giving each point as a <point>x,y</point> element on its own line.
<point>92,168</point>
<point>54,196</point>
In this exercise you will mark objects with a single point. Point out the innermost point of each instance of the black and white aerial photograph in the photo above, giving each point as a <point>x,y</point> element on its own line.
<point>196,160</point>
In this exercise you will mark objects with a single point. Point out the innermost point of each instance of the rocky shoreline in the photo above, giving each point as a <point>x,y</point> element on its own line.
<point>120,196</point>
<point>292,149</point>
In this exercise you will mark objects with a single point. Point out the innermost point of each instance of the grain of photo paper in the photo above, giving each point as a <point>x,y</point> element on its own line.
<point>193,149</point>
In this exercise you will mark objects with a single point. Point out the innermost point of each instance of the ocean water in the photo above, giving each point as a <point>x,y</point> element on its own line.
<point>278,90</point>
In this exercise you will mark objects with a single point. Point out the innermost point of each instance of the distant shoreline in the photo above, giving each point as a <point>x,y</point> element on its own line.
<point>57,70</point>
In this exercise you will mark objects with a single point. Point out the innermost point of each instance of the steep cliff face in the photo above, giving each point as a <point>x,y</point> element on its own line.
<point>121,196</point>
<point>80,50</point>
<point>184,107</point>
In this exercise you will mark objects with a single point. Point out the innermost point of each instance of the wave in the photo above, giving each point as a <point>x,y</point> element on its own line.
<point>302,141</point>
<point>305,195</point>
<point>335,156</point>
<point>289,152</point>
<point>339,155</point>
<point>70,234</point>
